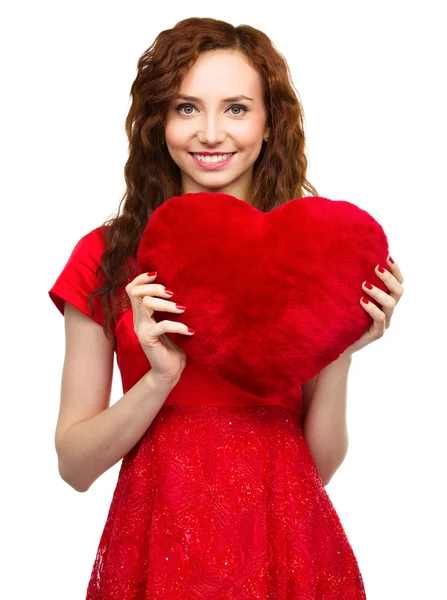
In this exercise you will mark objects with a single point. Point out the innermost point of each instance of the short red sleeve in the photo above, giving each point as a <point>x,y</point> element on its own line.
<point>78,278</point>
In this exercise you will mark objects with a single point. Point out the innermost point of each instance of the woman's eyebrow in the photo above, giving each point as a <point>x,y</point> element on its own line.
<point>232,99</point>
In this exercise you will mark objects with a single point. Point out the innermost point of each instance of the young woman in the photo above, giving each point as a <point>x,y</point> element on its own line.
<point>218,500</point>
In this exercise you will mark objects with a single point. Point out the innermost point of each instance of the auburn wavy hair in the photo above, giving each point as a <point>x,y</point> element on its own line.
<point>151,176</point>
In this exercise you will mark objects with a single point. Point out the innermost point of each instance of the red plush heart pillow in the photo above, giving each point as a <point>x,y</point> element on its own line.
<point>273,297</point>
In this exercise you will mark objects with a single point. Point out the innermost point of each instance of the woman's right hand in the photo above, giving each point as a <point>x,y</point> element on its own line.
<point>166,358</point>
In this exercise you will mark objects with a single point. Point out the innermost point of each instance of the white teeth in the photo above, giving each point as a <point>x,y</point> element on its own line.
<point>212,159</point>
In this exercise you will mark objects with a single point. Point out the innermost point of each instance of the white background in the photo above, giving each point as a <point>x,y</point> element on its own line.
<point>371,78</point>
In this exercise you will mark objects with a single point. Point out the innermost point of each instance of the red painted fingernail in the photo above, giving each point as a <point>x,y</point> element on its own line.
<point>151,273</point>
<point>170,292</point>
<point>381,269</point>
<point>180,307</point>
<point>391,260</point>
<point>365,300</point>
<point>191,330</point>
<point>368,285</point>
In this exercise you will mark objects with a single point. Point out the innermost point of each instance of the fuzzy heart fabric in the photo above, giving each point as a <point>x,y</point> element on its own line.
<point>273,297</point>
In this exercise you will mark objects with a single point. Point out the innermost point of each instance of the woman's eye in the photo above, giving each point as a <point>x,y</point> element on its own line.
<point>242,109</point>
<point>239,106</point>
<point>183,106</point>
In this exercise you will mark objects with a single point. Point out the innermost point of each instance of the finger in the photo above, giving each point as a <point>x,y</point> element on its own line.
<point>149,289</point>
<point>385,300</point>
<point>394,286</point>
<point>380,323</point>
<point>162,305</point>
<point>150,335</point>
<point>395,269</point>
<point>139,279</point>
<point>173,327</point>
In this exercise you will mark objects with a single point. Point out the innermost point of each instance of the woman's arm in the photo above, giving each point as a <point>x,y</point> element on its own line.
<point>91,436</point>
<point>324,425</point>
<point>91,447</point>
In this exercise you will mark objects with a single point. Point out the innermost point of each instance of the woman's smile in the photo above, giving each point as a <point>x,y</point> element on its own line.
<point>212,162</point>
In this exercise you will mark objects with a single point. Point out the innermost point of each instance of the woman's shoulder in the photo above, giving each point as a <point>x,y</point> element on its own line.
<point>95,239</point>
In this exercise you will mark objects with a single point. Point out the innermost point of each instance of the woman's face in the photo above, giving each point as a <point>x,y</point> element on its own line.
<point>216,122</point>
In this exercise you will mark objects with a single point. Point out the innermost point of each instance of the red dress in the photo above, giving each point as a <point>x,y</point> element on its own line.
<point>220,499</point>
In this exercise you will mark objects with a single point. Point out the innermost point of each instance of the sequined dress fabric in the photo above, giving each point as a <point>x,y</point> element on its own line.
<point>220,499</point>
<point>223,503</point>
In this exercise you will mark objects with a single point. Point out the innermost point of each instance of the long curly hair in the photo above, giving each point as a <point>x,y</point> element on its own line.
<point>151,176</point>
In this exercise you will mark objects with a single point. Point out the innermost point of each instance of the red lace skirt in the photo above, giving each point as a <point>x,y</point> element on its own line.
<point>223,503</point>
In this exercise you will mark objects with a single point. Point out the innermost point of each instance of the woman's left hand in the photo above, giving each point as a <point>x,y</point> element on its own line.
<point>393,280</point>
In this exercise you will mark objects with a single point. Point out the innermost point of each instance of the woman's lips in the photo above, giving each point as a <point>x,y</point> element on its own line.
<point>212,165</point>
